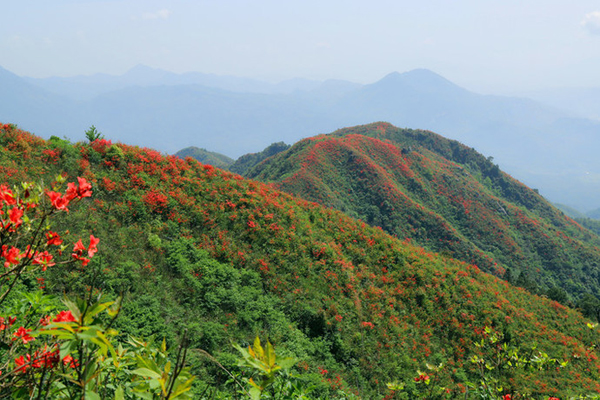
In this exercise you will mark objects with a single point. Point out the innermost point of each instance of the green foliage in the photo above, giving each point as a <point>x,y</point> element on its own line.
<point>591,224</point>
<point>92,134</point>
<point>246,162</point>
<point>266,365</point>
<point>206,157</point>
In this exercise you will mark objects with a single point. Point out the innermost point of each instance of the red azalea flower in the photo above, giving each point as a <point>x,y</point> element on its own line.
<point>44,259</point>
<point>15,215</point>
<point>23,363</point>
<point>12,256</point>
<point>58,202</point>
<point>78,250</point>
<point>83,190</point>
<point>70,362</point>
<point>92,247</point>
<point>23,334</point>
<point>48,358</point>
<point>64,316</point>
<point>6,195</point>
<point>53,239</point>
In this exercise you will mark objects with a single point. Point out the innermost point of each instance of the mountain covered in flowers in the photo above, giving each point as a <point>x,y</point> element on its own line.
<point>200,250</point>
<point>446,197</point>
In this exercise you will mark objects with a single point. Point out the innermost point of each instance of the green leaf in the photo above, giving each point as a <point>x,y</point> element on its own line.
<point>146,373</point>
<point>92,395</point>
<point>119,394</point>
<point>254,393</point>
<point>286,363</point>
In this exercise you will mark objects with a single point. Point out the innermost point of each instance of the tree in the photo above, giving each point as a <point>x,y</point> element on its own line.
<point>93,134</point>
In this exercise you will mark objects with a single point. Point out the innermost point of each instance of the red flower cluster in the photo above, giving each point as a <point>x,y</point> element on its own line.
<point>64,316</point>
<point>44,259</point>
<point>6,196</point>
<point>11,256</point>
<point>79,249</point>
<point>53,239</point>
<point>10,320</point>
<point>45,358</point>
<point>422,378</point>
<point>60,202</point>
<point>23,334</point>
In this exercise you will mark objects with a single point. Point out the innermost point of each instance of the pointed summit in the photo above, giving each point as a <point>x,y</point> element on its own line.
<point>418,79</point>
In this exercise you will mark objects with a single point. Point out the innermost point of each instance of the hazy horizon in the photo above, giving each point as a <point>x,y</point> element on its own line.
<point>489,47</point>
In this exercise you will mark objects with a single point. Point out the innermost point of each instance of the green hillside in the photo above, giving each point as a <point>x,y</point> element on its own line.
<point>444,196</point>
<point>247,161</point>
<point>207,157</point>
<point>228,258</point>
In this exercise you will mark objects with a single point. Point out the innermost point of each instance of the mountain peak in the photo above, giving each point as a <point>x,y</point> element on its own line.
<point>422,80</point>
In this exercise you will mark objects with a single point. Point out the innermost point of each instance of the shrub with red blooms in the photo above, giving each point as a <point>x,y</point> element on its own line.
<point>69,353</point>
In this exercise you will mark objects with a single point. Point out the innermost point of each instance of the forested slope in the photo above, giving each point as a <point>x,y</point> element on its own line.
<point>444,196</point>
<point>229,258</point>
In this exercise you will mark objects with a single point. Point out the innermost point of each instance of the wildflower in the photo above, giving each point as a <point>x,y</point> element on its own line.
<point>53,239</point>
<point>84,189</point>
<point>58,202</point>
<point>15,215</point>
<point>44,259</point>
<point>23,363</point>
<point>64,316</point>
<point>23,334</point>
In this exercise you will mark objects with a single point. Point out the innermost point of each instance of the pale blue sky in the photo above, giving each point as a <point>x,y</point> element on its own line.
<point>489,46</point>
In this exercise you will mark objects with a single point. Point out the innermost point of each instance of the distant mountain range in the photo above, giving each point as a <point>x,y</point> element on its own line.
<point>545,147</point>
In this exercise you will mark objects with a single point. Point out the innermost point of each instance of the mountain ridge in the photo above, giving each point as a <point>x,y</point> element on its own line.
<point>443,195</point>
<point>537,143</point>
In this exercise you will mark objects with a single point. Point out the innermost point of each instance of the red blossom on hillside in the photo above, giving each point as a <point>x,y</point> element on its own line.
<point>92,249</point>
<point>23,363</point>
<point>6,195</point>
<point>70,362</point>
<point>15,215</point>
<point>79,248</point>
<point>84,189</point>
<point>64,316</point>
<point>58,202</point>
<point>53,239</point>
<point>44,259</point>
<point>23,334</point>
<point>12,256</point>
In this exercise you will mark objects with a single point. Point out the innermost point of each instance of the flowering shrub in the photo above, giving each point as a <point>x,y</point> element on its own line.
<point>72,353</point>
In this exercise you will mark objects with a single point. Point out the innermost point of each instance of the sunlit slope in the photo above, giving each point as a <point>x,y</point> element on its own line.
<point>444,196</point>
<point>342,296</point>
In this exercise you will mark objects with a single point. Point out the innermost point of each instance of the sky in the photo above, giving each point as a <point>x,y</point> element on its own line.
<point>488,46</point>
